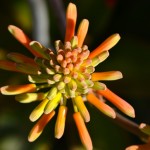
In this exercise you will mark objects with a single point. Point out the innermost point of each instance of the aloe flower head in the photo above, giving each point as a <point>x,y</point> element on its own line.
<point>64,74</point>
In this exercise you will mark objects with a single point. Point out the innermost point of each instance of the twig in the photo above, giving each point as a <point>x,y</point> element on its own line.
<point>131,127</point>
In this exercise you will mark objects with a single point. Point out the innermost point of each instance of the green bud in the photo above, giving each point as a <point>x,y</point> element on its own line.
<point>99,86</point>
<point>52,93</point>
<point>53,103</point>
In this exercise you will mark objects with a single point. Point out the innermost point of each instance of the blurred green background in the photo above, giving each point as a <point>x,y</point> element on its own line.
<point>131,19</point>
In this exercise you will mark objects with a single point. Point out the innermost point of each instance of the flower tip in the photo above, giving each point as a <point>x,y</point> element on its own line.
<point>71,6</point>
<point>113,115</point>
<point>128,110</point>
<point>33,136</point>
<point>71,17</point>
<point>31,139</point>
<point>142,125</point>
<point>15,31</point>
<point>32,117</point>
<point>117,36</point>
<point>145,128</point>
<point>57,136</point>
<point>72,11</point>
<point>113,40</point>
<point>32,42</point>
<point>46,111</point>
<point>86,21</point>
<point>11,28</point>
<point>131,112</point>
<point>121,75</point>
<point>134,147</point>
<point>110,42</point>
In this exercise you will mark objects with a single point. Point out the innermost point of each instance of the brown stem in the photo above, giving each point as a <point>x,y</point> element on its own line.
<point>130,126</point>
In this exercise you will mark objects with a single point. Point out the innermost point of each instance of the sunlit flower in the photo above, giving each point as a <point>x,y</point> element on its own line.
<point>64,75</point>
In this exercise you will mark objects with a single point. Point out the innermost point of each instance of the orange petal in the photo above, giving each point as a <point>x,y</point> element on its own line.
<point>104,108</point>
<point>82,31</point>
<point>71,17</point>
<point>82,108</point>
<point>118,102</point>
<point>17,89</point>
<point>110,75</point>
<point>20,58</point>
<point>133,147</point>
<point>139,147</point>
<point>37,130</point>
<point>60,122</point>
<point>22,38</point>
<point>106,45</point>
<point>27,68</point>
<point>82,130</point>
<point>8,65</point>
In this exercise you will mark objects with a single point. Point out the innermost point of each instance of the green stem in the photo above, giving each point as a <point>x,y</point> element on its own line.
<point>74,106</point>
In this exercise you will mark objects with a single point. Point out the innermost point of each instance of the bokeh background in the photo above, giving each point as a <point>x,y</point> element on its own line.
<point>131,19</point>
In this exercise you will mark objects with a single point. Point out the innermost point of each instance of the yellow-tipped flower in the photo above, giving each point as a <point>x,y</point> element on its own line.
<point>60,122</point>
<point>110,75</point>
<point>82,108</point>
<point>82,31</point>
<point>38,111</point>
<point>106,45</point>
<point>99,104</point>
<point>71,17</point>
<point>19,89</point>
<point>67,74</point>
<point>118,102</point>
<point>37,130</point>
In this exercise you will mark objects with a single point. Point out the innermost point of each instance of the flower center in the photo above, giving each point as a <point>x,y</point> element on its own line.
<point>69,70</point>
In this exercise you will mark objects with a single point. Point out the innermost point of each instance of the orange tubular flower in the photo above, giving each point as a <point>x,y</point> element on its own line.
<point>65,75</point>
<point>39,126</point>
<point>139,147</point>
<point>71,17</point>
<point>83,133</point>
